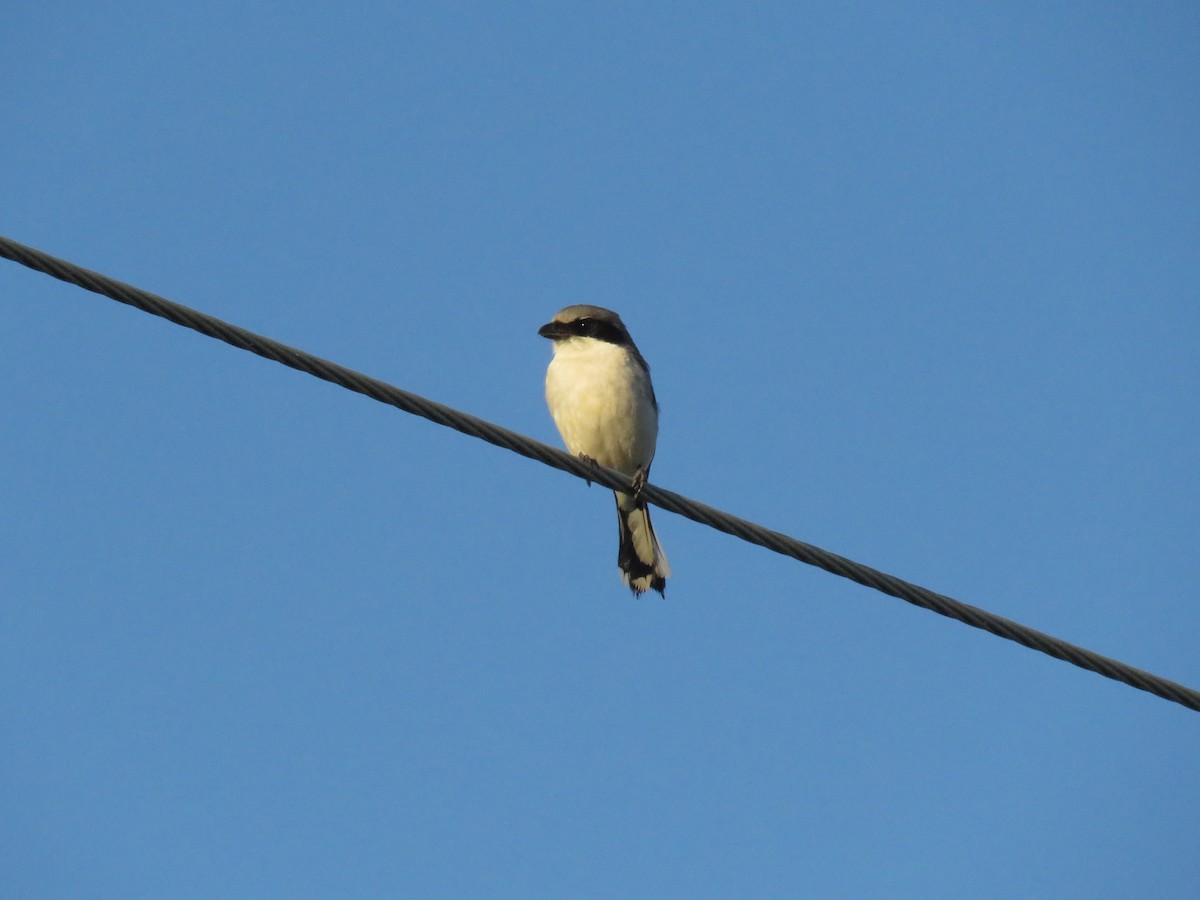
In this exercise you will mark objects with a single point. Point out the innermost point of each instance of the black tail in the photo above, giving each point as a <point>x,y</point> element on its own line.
<point>640,556</point>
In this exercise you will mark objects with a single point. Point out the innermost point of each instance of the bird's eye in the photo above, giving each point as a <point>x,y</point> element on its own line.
<point>587,326</point>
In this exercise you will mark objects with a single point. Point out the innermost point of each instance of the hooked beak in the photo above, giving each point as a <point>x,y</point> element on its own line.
<point>553,330</point>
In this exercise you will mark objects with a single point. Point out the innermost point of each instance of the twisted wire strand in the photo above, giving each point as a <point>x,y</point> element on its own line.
<point>552,456</point>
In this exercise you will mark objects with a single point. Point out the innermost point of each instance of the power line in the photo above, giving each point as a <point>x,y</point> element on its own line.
<point>551,456</point>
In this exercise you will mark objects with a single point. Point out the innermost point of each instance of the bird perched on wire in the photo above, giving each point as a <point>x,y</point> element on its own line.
<point>599,393</point>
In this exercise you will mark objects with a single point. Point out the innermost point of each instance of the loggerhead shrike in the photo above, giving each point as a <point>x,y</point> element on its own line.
<point>599,393</point>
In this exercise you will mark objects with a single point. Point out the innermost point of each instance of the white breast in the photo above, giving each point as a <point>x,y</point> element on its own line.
<point>600,399</point>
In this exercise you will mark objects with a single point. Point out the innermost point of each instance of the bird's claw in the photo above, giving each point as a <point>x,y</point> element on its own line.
<point>591,462</point>
<point>639,482</point>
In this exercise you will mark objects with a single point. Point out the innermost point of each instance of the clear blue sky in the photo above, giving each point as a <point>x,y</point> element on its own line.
<point>918,284</point>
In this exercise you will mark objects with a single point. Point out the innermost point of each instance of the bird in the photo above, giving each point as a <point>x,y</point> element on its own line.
<point>600,396</point>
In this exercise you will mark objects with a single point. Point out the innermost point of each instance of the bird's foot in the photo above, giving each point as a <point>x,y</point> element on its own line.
<point>591,462</point>
<point>639,482</point>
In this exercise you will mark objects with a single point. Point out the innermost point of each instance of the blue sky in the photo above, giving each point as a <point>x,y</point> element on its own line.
<point>917,284</point>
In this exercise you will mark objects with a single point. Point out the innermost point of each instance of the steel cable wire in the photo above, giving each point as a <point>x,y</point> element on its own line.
<point>552,456</point>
